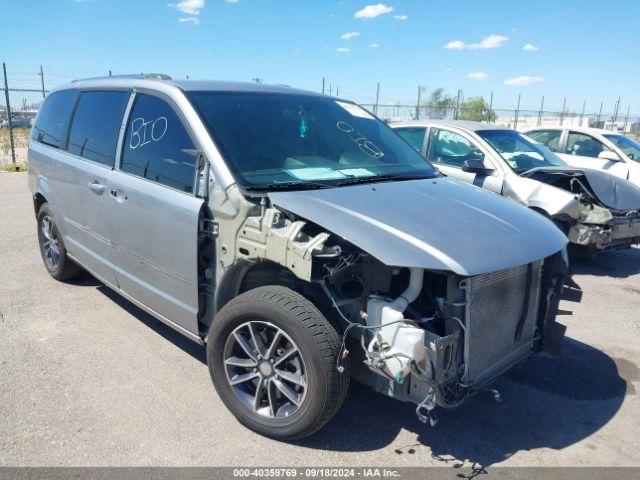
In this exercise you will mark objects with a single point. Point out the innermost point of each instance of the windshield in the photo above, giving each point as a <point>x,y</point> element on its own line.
<point>520,152</point>
<point>630,147</point>
<point>291,141</point>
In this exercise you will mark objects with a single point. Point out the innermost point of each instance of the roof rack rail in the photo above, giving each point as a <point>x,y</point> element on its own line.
<point>139,76</point>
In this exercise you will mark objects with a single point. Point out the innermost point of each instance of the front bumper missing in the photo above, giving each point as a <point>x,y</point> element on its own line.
<point>620,232</point>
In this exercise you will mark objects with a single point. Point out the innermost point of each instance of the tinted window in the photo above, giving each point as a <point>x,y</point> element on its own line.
<point>96,124</point>
<point>157,146</point>
<point>413,135</point>
<point>54,117</point>
<point>550,138</point>
<point>293,139</point>
<point>584,145</point>
<point>449,148</point>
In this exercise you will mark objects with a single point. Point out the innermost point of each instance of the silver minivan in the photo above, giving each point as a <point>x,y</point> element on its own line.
<point>298,237</point>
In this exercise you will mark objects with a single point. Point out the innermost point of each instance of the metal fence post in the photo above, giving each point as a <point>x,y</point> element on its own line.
<point>540,112</point>
<point>515,120</point>
<point>457,107</point>
<point>418,103</point>
<point>490,108</point>
<point>8,111</point>
<point>375,107</point>
<point>564,106</point>
<point>584,105</point>
<point>598,117</point>
<point>44,92</point>
<point>626,119</point>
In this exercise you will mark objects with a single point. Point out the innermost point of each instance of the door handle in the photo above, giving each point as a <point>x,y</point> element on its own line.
<point>96,187</point>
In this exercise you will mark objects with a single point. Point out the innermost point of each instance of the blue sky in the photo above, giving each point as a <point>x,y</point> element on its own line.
<point>582,50</point>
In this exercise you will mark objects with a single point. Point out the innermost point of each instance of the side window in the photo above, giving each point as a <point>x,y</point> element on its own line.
<point>584,145</point>
<point>157,146</point>
<point>413,135</point>
<point>96,124</point>
<point>54,117</point>
<point>449,148</point>
<point>550,138</point>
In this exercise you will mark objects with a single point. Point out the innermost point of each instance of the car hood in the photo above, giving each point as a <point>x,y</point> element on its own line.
<point>437,224</point>
<point>614,192</point>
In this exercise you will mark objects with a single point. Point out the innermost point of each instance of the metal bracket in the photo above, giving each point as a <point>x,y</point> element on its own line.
<point>209,227</point>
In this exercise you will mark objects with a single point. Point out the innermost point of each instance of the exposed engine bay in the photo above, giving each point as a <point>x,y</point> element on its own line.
<point>609,207</point>
<point>430,337</point>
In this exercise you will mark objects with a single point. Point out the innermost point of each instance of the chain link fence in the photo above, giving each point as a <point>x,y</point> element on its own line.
<point>21,98</point>
<point>18,108</point>
<point>510,118</point>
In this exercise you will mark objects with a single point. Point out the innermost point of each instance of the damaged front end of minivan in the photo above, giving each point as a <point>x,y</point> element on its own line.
<point>608,213</point>
<point>423,319</point>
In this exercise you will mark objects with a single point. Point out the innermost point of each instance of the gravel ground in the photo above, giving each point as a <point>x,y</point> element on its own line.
<point>87,379</point>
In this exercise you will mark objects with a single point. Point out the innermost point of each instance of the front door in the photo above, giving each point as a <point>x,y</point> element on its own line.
<point>582,151</point>
<point>156,213</point>
<point>449,151</point>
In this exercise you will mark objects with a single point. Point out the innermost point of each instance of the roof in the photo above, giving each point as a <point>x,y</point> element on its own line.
<point>149,80</point>
<point>468,125</point>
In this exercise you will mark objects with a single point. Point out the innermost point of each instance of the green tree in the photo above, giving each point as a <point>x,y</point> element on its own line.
<point>439,104</point>
<point>476,109</point>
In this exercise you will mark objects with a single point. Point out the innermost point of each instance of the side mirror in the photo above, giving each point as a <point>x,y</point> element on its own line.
<point>609,156</point>
<point>475,165</point>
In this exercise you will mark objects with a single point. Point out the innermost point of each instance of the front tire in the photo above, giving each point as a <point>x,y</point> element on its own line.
<point>52,249</point>
<point>273,360</point>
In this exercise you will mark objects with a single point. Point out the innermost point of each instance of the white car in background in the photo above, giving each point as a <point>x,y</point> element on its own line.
<point>596,210</point>
<point>594,148</point>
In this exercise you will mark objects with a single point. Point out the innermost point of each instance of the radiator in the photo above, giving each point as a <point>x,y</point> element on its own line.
<point>501,315</point>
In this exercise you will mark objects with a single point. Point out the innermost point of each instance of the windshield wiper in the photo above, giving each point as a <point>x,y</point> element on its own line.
<point>287,186</point>
<point>382,178</point>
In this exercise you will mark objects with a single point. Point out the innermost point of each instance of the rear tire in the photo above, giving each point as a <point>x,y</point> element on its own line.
<point>293,388</point>
<point>52,249</point>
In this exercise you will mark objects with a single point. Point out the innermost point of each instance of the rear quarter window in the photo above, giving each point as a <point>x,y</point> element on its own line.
<point>53,120</point>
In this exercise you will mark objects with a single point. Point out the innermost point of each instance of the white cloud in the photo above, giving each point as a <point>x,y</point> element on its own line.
<point>400,17</point>
<point>448,69</point>
<point>374,45</point>
<point>372,11</point>
<point>477,76</point>
<point>349,35</point>
<point>530,48</point>
<point>492,41</point>
<point>191,20</point>
<point>190,7</point>
<point>343,50</point>
<point>523,80</point>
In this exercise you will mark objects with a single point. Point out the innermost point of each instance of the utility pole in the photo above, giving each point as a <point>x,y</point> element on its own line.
<point>564,105</point>
<point>109,72</point>
<point>375,107</point>
<point>515,123</point>
<point>44,93</point>
<point>330,89</point>
<point>541,112</point>
<point>337,91</point>
<point>8,110</point>
<point>584,106</point>
<point>323,85</point>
